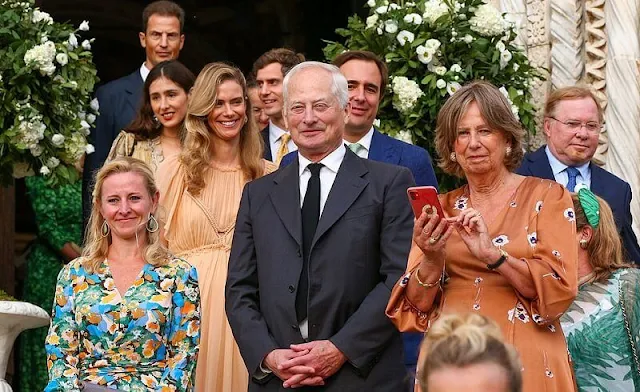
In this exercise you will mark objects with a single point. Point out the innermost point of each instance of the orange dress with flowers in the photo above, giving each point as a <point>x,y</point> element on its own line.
<point>200,229</point>
<point>538,227</point>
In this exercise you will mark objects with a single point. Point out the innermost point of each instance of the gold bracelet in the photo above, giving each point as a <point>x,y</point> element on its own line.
<point>427,285</point>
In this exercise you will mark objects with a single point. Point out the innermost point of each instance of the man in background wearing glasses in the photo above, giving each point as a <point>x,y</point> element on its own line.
<point>572,123</point>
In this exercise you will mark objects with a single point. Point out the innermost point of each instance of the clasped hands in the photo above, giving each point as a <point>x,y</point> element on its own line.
<point>306,364</point>
<point>431,233</point>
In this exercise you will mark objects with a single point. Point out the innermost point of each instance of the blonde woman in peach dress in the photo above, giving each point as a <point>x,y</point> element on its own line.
<point>200,192</point>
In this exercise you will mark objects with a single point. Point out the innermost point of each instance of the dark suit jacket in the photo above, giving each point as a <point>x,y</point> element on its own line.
<point>396,152</point>
<point>358,253</point>
<point>267,146</point>
<point>608,186</point>
<point>119,101</point>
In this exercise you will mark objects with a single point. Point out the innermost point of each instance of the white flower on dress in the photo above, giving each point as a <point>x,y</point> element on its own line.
<point>533,239</point>
<point>537,318</point>
<point>461,203</point>
<point>551,328</point>
<point>476,306</point>
<point>405,280</point>
<point>500,241</point>
<point>555,253</point>
<point>538,206</point>
<point>513,204</point>
<point>548,373</point>
<point>569,214</point>
<point>518,312</point>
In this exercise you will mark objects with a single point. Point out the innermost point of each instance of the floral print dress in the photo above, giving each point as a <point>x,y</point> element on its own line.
<point>145,340</point>
<point>537,226</point>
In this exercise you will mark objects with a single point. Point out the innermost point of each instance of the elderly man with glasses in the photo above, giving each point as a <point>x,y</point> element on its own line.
<point>572,124</point>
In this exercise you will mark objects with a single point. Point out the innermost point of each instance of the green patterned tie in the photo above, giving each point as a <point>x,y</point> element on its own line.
<point>356,147</point>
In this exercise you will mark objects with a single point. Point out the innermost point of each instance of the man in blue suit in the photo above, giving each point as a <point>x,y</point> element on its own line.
<point>162,39</point>
<point>367,77</point>
<point>572,124</point>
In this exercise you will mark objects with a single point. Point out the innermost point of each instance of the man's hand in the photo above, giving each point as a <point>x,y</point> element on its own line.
<point>321,355</point>
<point>304,374</point>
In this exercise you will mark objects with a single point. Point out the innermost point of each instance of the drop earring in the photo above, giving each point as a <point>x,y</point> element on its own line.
<point>152,224</point>
<point>452,157</point>
<point>584,243</point>
<point>507,151</point>
<point>105,229</point>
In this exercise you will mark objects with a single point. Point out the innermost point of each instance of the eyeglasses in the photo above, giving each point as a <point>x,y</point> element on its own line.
<point>575,125</point>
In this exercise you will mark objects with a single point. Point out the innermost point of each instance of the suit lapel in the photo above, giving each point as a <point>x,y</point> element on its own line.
<point>286,200</point>
<point>597,180</point>
<point>540,166</point>
<point>381,150</point>
<point>267,145</point>
<point>346,188</point>
<point>134,89</point>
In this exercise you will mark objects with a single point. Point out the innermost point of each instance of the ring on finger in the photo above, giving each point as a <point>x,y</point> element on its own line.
<point>434,239</point>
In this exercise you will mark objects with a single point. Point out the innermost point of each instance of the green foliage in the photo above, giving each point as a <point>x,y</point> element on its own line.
<point>438,45</point>
<point>6,297</point>
<point>47,80</point>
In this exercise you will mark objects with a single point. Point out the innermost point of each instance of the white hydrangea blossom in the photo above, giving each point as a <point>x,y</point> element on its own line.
<point>372,21</point>
<point>75,147</point>
<point>404,136</point>
<point>433,9</point>
<point>41,57</point>
<point>405,36</point>
<point>413,18</point>
<point>488,21</point>
<point>36,150</point>
<point>41,16</point>
<point>406,93</point>
<point>30,132</point>
<point>514,108</point>
<point>53,162</point>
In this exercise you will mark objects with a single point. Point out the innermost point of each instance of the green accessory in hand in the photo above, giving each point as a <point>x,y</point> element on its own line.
<point>590,205</point>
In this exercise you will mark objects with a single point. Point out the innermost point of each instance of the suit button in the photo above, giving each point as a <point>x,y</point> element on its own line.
<point>299,253</point>
<point>292,288</point>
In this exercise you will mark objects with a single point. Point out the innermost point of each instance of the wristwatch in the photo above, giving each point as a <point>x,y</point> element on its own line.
<point>498,263</point>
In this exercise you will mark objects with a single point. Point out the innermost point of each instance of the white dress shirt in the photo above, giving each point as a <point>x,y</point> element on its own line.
<point>328,174</point>
<point>274,140</point>
<point>144,72</point>
<point>365,142</point>
<point>560,174</point>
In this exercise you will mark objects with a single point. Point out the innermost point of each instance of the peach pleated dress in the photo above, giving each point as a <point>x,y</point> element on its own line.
<point>200,229</point>
<point>537,226</point>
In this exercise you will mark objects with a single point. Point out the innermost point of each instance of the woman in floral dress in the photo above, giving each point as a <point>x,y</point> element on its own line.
<point>602,325</point>
<point>505,248</point>
<point>126,314</point>
<point>58,213</point>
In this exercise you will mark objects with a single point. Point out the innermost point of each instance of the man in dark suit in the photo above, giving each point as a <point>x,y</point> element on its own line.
<point>162,39</point>
<point>310,311</point>
<point>572,124</point>
<point>269,71</point>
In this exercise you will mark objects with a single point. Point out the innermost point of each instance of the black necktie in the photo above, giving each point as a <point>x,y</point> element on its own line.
<point>310,217</point>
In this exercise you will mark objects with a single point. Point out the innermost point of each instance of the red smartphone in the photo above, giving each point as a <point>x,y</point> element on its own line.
<point>424,198</point>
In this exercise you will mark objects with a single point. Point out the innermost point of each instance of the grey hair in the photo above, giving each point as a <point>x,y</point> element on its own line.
<point>339,87</point>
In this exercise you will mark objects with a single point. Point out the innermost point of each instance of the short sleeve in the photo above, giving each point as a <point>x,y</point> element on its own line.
<point>122,147</point>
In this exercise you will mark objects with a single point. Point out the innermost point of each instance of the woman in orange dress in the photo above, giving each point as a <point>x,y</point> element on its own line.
<point>200,191</point>
<point>507,247</point>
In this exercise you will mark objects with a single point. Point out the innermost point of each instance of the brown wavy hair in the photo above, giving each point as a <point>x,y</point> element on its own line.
<point>96,247</point>
<point>495,110</point>
<point>196,154</point>
<point>605,250</point>
<point>463,340</point>
<point>144,126</point>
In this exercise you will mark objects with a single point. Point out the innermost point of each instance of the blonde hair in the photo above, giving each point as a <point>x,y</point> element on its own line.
<point>462,340</point>
<point>96,247</point>
<point>568,93</point>
<point>196,154</point>
<point>495,110</point>
<point>605,248</point>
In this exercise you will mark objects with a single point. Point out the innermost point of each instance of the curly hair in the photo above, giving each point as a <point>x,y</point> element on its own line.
<point>197,154</point>
<point>96,246</point>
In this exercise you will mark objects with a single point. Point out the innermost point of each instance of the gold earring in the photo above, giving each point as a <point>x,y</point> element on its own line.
<point>584,243</point>
<point>104,229</point>
<point>152,224</point>
<point>452,157</point>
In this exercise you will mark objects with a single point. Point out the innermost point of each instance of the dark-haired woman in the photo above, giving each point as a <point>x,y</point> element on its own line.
<point>156,132</point>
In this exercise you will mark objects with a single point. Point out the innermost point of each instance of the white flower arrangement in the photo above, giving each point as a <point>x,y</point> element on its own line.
<point>432,48</point>
<point>47,80</point>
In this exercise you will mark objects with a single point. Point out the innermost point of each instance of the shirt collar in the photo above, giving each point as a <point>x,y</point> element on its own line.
<point>365,141</point>
<point>558,167</point>
<point>144,72</point>
<point>331,161</point>
<point>275,132</point>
